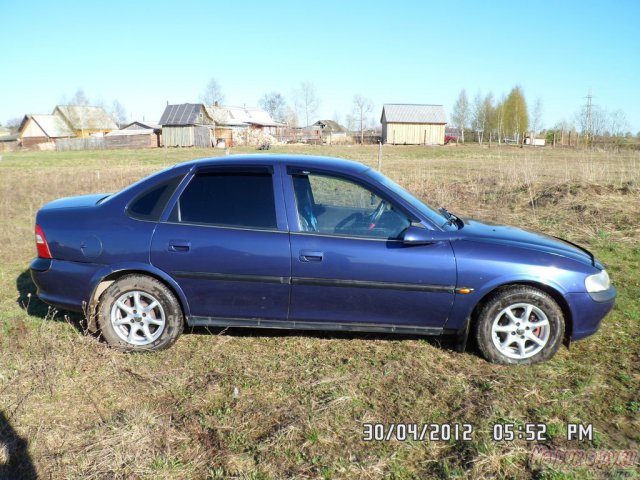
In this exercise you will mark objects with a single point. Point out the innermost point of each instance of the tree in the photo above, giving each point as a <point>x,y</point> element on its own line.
<point>306,100</point>
<point>592,121</point>
<point>351,122</point>
<point>460,113</point>
<point>618,123</point>
<point>489,114</point>
<point>478,116</point>
<point>291,117</point>
<point>79,98</point>
<point>483,115</point>
<point>362,106</point>
<point>118,113</point>
<point>212,93</point>
<point>499,118</point>
<point>275,105</point>
<point>13,123</point>
<point>536,116</point>
<point>516,118</point>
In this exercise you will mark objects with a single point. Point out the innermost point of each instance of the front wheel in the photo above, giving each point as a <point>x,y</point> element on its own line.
<point>139,313</point>
<point>519,325</point>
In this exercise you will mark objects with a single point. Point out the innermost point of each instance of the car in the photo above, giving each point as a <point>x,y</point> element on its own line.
<point>305,242</point>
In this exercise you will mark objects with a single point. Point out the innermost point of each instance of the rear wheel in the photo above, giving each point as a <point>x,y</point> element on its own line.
<point>519,325</point>
<point>138,313</point>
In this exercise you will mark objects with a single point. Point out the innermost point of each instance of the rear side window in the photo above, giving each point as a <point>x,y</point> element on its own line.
<point>150,204</point>
<point>236,199</point>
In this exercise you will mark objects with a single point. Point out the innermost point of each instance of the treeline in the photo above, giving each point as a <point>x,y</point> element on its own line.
<point>503,120</point>
<point>509,120</point>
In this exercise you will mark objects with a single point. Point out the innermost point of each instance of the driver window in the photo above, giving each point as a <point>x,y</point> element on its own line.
<point>333,205</point>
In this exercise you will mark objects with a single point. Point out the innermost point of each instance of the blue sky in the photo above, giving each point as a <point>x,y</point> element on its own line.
<point>147,53</point>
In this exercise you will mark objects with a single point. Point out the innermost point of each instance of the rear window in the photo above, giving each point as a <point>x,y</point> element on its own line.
<point>150,204</point>
<point>236,199</point>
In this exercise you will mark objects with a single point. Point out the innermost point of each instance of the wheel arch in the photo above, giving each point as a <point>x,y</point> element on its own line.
<point>105,279</point>
<point>556,295</point>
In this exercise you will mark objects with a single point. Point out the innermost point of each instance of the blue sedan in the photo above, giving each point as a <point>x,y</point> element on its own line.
<point>304,242</point>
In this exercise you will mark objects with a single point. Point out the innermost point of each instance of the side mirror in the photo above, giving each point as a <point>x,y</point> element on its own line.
<point>422,236</point>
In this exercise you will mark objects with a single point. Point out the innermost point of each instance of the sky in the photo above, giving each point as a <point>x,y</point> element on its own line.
<point>145,54</point>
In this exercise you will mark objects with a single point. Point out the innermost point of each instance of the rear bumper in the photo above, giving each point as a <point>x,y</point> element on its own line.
<point>65,285</point>
<point>588,311</point>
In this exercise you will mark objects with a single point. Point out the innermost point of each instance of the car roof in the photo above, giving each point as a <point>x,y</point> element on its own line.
<point>304,161</point>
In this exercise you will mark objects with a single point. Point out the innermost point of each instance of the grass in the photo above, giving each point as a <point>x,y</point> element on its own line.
<point>256,404</point>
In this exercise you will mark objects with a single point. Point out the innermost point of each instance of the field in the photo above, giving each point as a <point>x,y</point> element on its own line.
<point>256,404</point>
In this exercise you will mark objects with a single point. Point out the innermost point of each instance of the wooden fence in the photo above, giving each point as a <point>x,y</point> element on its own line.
<point>87,143</point>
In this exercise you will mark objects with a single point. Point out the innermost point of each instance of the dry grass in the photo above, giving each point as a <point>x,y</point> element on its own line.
<point>254,404</point>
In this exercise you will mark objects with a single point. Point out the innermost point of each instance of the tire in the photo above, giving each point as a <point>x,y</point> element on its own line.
<point>505,333</point>
<point>139,313</point>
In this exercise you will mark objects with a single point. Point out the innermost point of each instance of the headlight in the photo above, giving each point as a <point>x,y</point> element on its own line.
<point>598,282</point>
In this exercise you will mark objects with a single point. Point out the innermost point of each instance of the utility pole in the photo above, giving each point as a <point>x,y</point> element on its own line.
<point>589,117</point>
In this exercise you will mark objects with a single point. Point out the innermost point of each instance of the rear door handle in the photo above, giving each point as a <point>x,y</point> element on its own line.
<point>311,256</point>
<point>179,246</point>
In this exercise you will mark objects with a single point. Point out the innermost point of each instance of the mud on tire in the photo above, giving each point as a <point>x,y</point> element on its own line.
<point>139,313</point>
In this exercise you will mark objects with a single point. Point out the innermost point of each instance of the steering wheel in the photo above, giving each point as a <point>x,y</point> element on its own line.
<point>377,213</point>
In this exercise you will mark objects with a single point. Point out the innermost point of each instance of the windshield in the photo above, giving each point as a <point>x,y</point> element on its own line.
<point>429,212</point>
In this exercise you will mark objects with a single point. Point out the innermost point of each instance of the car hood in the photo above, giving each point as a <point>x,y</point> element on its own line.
<point>518,237</point>
<point>76,202</point>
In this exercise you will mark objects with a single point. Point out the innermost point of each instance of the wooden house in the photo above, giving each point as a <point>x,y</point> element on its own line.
<point>85,121</point>
<point>187,125</point>
<point>331,131</point>
<point>37,130</point>
<point>409,124</point>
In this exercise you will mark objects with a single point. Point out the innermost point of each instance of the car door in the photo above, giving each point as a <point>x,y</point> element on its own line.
<point>225,242</point>
<point>349,263</point>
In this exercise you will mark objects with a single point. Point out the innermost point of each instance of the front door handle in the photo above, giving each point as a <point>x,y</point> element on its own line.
<point>179,246</point>
<point>311,256</point>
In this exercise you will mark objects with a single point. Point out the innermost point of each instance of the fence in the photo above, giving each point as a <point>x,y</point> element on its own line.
<point>87,143</point>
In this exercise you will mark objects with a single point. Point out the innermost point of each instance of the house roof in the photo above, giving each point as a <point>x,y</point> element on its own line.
<point>81,117</point>
<point>228,115</point>
<point>142,125</point>
<point>184,114</point>
<point>331,126</point>
<point>411,113</point>
<point>134,131</point>
<point>53,126</point>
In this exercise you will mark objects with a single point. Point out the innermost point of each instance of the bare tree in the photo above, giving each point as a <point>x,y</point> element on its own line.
<point>13,123</point>
<point>79,98</point>
<point>118,113</point>
<point>536,116</point>
<point>291,117</point>
<point>212,93</point>
<point>479,116</point>
<point>362,106</point>
<point>499,118</point>
<point>592,121</point>
<point>618,123</point>
<point>275,104</point>
<point>306,100</point>
<point>351,122</point>
<point>460,113</point>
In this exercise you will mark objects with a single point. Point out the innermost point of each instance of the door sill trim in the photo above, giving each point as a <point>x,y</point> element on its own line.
<point>198,321</point>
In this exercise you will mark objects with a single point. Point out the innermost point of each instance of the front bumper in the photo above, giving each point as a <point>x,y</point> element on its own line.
<point>588,310</point>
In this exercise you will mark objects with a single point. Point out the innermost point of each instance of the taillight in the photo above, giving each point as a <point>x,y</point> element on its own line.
<point>41,244</point>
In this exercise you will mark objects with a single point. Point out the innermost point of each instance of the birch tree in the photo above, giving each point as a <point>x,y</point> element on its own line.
<point>362,106</point>
<point>306,100</point>
<point>212,93</point>
<point>460,113</point>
